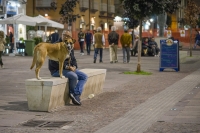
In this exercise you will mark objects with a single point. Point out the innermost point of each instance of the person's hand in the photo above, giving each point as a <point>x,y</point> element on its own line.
<point>71,68</point>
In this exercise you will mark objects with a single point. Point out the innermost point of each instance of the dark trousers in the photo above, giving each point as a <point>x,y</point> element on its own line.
<point>81,46</point>
<point>88,46</point>
<point>100,51</point>
<point>1,62</point>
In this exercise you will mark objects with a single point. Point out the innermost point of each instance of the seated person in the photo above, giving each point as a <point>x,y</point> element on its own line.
<point>154,47</point>
<point>73,74</point>
<point>145,46</point>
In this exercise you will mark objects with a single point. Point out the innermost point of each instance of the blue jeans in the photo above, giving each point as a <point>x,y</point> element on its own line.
<point>196,43</point>
<point>74,87</point>
<point>100,51</point>
<point>126,54</point>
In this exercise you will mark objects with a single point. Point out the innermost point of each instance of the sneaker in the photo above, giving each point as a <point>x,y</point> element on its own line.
<point>124,62</point>
<point>75,99</point>
<point>94,61</point>
<point>101,61</point>
<point>2,66</point>
<point>111,62</point>
<point>116,61</point>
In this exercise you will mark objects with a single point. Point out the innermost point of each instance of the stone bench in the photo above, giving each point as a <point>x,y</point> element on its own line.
<point>51,93</point>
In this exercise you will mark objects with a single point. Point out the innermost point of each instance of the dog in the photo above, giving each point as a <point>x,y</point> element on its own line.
<point>57,52</point>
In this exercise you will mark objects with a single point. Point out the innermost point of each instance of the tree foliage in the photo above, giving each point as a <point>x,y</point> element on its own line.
<point>67,10</point>
<point>191,15</point>
<point>145,8</point>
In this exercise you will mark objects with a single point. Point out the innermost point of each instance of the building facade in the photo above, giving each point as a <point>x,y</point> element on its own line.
<point>93,14</point>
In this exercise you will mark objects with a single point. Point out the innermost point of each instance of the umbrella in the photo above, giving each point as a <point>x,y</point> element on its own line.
<point>42,21</point>
<point>19,19</point>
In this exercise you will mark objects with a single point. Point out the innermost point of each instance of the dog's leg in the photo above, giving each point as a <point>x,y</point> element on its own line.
<point>39,64</point>
<point>61,69</point>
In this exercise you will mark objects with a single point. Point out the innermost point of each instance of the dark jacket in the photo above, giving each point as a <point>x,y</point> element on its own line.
<point>88,37</point>
<point>113,37</point>
<point>54,37</point>
<point>197,37</point>
<point>151,43</point>
<point>54,65</point>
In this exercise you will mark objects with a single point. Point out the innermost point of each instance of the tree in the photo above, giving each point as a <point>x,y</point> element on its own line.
<point>191,18</point>
<point>141,9</point>
<point>66,11</point>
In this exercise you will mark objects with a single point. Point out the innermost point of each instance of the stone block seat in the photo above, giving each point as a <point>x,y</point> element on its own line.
<point>51,93</point>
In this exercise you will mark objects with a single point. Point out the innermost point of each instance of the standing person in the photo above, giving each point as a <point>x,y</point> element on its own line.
<point>126,40</point>
<point>99,42</point>
<point>55,37</point>
<point>11,44</point>
<point>113,38</point>
<point>77,79</point>
<point>135,46</point>
<point>88,40</point>
<point>81,37</point>
<point>11,37</point>
<point>2,47</point>
<point>197,40</point>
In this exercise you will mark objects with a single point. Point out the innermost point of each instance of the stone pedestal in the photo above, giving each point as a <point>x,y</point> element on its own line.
<point>95,82</point>
<point>46,94</point>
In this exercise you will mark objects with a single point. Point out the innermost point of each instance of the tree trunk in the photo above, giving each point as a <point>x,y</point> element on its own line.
<point>139,48</point>
<point>161,22</point>
<point>190,41</point>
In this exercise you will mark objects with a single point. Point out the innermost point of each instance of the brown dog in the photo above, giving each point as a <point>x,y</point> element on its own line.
<point>57,52</point>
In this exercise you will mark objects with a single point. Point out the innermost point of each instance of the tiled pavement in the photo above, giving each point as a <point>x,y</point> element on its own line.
<point>140,118</point>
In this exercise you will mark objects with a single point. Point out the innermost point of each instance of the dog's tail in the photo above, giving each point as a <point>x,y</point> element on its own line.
<point>34,58</point>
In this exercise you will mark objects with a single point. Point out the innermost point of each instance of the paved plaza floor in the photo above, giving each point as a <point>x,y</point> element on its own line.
<point>164,102</point>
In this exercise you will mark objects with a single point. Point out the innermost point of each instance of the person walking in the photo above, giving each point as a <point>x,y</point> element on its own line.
<point>88,40</point>
<point>98,42</point>
<point>2,48</point>
<point>197,40</point>
<point>81,37</point>
<point>77,79</point>
<point>126,40</point>
<point>113,38</point>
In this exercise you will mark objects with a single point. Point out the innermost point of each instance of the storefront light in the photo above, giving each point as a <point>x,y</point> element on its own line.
<point>45,14</point>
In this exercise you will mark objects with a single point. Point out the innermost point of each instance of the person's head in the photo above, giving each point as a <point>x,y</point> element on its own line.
<point>99,29</point>
<point>146,39</point>
<point>113,28</point>
<point>80,30</point>
<point>65,34</point>
<point>56,31</point>
<point>88,30</point>
<point>125,30</point>
<point>152,39</point>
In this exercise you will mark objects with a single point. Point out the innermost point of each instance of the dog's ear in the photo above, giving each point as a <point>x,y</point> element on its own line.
<point>74,40</point>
